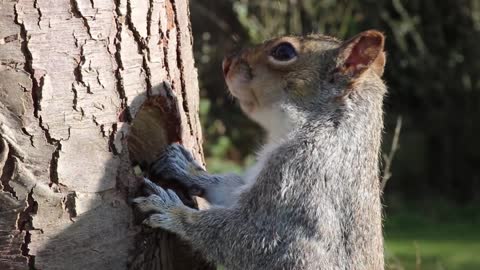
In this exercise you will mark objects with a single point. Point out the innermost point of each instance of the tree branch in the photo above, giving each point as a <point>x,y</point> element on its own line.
<point>388,159</point>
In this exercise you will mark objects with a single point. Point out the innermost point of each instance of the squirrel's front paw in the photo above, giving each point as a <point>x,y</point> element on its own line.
<point>176,163</point>
<point>168,209</point>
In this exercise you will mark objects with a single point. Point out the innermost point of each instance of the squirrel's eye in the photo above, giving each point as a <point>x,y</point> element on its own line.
<point>283,52</point>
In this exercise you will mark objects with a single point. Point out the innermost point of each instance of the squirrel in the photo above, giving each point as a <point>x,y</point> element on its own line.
<point>312,200</point>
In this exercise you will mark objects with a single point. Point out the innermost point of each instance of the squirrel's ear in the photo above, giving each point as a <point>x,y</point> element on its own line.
<point>360,53</point>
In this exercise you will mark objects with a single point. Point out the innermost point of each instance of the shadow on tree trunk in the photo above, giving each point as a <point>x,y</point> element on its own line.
<point>156,124</point>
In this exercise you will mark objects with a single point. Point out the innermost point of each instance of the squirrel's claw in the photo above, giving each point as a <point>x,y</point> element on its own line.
<point>150,187</point>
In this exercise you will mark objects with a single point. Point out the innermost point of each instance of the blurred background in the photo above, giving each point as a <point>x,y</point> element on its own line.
<point>432,200</point>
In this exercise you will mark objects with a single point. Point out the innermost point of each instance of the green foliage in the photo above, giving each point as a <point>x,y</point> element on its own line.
<point>220,155</point>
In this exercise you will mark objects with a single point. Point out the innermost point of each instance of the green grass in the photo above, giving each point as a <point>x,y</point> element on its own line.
<point>449,240</point>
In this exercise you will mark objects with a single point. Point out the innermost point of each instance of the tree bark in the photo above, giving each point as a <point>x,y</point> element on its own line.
<point>89,88</point>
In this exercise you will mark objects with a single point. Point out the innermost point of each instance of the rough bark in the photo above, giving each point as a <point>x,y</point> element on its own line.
<point>88,88</point>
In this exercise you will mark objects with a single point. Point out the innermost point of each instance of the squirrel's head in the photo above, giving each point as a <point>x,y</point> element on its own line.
<point>302,71</point>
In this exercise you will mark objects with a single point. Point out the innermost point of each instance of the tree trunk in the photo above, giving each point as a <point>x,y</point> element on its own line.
<point>89,88</point>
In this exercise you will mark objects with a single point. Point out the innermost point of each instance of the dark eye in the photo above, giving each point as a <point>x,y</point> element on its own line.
<point>283,52</point>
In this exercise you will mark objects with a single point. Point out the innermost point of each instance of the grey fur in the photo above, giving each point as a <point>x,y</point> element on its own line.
<point>314,202</point>
<point>177,163</point>
<point>151,188</point>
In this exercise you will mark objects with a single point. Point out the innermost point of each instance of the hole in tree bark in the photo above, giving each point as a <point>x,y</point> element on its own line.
<point>156,125</point>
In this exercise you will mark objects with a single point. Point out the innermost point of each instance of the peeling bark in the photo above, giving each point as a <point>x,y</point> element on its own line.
<point>87,88</point>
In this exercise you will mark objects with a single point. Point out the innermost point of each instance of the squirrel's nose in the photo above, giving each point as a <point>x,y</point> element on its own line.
<point>226,63</point>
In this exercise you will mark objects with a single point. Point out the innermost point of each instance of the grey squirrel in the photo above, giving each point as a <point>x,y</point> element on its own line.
<point>312,200</point>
